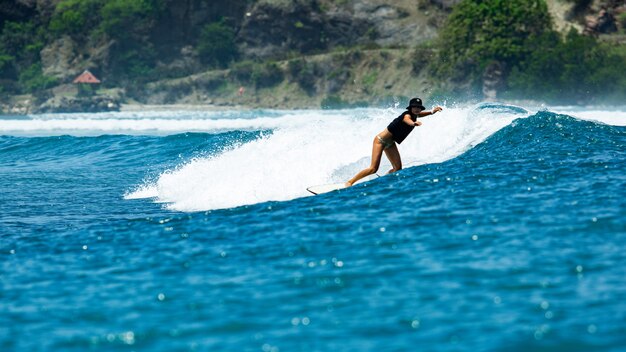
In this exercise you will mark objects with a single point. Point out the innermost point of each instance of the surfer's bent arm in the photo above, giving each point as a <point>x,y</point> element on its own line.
<point>408,121</point>
<point>432,112</point>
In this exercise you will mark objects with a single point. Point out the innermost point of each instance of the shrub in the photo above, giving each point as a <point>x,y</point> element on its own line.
<point>540,72</point>
<point>210,83</point>
<point>75,17</point>
<point>333,102</point>
<point>262,75</point>
<point>575,69</point>
<point>135,63</point>
<point>422,57</point>
<point>242,71</point>
<point>23,41</point>
<point>538,62</point>
<point>580,2</point>
<point>579,5</point>
<point>216,45</point>
<point>6,64</point>
<point>20,44</point>
<point>130,22</point>
<point>621,19</point>
<point>302,73</point>
<point>32,79</point>
<point>482,31</point>
<point>370,79</point>
<point>125,19</point>
<point>267,75</point>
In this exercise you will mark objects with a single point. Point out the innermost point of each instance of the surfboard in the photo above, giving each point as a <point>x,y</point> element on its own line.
<point>320,189</point>
<point>326,188</point>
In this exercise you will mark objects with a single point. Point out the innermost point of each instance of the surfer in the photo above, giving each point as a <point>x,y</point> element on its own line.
<point>396,132</point>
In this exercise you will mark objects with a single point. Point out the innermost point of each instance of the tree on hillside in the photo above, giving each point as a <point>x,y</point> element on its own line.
<point>514,41</point>
<point>216,45</point>
<point>129,23</point>
<point>20,44</point>
<point>480,32</point>
<point>75,17</point>
<point>574,69</point>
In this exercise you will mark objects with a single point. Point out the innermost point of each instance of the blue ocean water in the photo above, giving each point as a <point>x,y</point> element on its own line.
<point>193,231</point>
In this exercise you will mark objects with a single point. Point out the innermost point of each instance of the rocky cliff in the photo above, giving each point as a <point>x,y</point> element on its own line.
<point>321,50</point>
<point>265,29</point>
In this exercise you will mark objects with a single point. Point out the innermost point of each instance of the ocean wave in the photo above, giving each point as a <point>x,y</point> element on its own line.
<point>211,160</point>
<point>280,166</point>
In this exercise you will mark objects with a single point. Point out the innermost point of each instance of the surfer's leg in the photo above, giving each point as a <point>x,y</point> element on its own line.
<point>377,153</point>
<point>393,155</point>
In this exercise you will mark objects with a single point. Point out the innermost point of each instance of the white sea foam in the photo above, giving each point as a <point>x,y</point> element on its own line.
<point>173,122</point>
<point>315,147</point>
<point>608,116</point>
<point>305,147</point>
<point>147,123</point>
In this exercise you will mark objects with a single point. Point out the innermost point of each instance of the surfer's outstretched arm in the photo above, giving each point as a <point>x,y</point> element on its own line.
<point>431,112</point>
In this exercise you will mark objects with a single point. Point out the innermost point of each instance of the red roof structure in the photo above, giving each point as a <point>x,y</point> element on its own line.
<point>86,77</point>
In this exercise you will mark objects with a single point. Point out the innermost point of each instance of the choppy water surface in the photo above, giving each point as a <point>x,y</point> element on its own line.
<point>181,231</point>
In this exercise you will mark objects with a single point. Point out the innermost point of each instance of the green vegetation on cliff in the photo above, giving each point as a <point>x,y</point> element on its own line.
<point>533,61</point>
<point>480,32</point>
<point>494,48</point>
<point>20,44</point>
<point>74,17</point>
<point>128,23</point>
<point>216,46</point>
<point>574,69</point>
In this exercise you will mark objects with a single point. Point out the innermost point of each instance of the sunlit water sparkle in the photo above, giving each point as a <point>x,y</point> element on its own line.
<point>176,231</point>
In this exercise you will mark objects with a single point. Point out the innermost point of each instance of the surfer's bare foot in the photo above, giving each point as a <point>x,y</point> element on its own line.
<point>348,184</point>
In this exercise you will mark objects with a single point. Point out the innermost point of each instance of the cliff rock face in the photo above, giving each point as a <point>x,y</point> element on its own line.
<point>58,59</point>
<point>266,29</point>
<point>273,30</point>
<point>23,10</point>
<point>270,29</point>
<point>398,23</point>
<point>65,58</point>
<point>15,11</point>
<point>182,21</point>
<point>445,4</point>
<point>604,22</point>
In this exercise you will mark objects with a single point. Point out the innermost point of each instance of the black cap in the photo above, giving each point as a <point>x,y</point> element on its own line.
<point>417,102</point>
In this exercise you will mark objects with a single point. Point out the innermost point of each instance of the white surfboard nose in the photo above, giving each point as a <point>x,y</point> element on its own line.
<point>336,186</point>
<point>326,188</point>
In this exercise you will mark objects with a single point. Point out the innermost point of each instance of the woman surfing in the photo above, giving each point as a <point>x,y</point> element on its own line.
<point>396,132</point>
